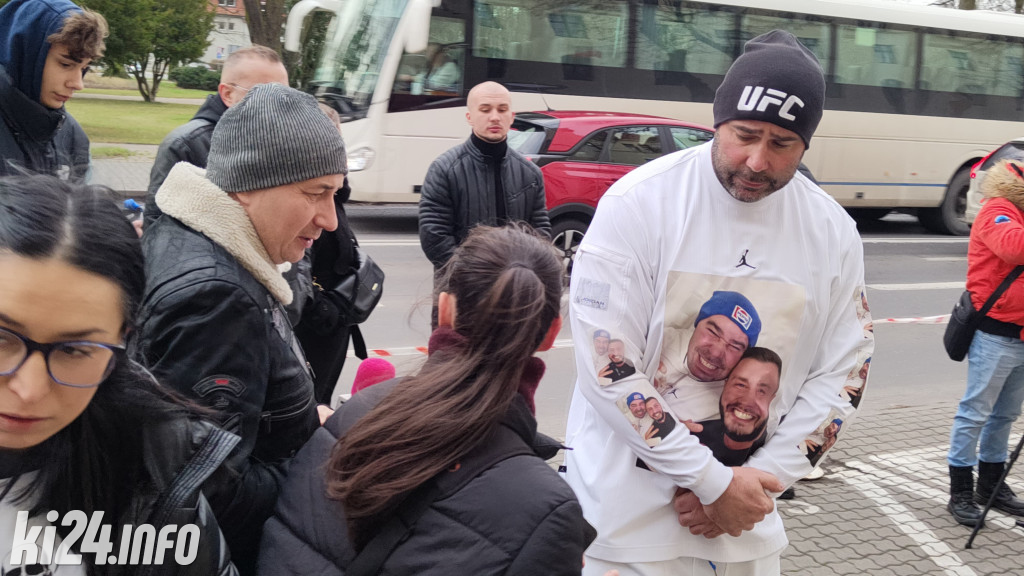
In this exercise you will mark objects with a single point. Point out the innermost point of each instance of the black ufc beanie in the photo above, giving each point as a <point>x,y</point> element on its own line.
<point>776,79</point>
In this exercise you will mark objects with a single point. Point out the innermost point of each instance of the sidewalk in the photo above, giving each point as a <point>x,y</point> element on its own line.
<point>129,175</point>
<point>881,507</point>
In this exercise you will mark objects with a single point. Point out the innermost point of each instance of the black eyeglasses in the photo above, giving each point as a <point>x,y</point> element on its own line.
<point>79,364</point>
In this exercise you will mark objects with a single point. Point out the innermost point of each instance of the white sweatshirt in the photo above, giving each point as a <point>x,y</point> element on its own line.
<point>666,237</point>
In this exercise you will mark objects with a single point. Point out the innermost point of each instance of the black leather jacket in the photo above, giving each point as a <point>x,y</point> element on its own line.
<point>181,454</point>
<point>458,193</point>
<point>37,139</point>
<point>214,333</point>
<point>511,516</point>
<point>190,143</point>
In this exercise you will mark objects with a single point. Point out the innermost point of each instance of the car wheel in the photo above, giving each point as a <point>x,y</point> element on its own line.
<point>949,217</point>
<point>566,235</point>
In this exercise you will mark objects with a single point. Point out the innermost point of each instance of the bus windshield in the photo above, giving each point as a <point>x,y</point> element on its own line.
<point>349,65</point>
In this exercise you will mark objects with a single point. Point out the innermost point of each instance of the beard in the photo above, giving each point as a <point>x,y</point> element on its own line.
<point>738,437</point>
<point>727,176</point>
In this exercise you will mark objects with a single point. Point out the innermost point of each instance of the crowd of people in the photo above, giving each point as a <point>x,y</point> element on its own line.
<point>184,378</point>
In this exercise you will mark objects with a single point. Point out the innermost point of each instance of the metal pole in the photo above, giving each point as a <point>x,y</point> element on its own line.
<point>995,492</point>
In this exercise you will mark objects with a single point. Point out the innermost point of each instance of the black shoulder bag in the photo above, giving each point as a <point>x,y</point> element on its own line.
<point>964,320</point>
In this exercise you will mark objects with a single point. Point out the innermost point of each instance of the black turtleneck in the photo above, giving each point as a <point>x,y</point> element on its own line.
<point>495,152</point>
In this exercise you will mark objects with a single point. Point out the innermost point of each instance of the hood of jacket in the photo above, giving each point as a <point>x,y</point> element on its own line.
<point>211,110</point>
<point>1003,181</point>
<point>189,197</point>
<point>25,26</point>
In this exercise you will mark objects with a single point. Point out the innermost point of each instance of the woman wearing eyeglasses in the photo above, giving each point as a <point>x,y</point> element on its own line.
<point>83,430</point>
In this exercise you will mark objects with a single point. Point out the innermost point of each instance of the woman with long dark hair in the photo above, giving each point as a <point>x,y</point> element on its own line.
<point>451,451</point>
<point>83,429</point>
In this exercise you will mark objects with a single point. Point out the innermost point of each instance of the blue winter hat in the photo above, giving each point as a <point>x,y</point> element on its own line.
<point>600,333</point>
<point>837,422</point>
<point>737,308</point>
<point>25,26</point>
<point>634,396</point>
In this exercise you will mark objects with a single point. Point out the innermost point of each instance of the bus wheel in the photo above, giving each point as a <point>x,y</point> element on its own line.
<point>949,217</point>
<point>566,234</point>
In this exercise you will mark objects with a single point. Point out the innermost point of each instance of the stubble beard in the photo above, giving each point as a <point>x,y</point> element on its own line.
<point>727,177</point>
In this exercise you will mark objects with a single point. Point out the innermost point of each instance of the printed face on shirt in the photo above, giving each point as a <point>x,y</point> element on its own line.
<point>638,408</point>
<point>864,369</point>
<point>746,398</point>
<point>601,345</point>
<point>617,351</point>
<point>654,410</point>
<point>715,347</point>
<point>753,159</point>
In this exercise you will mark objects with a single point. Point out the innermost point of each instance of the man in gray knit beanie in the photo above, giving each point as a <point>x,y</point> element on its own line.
<point>214,327</point>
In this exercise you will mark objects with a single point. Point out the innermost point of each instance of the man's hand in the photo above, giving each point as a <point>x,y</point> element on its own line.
<point>691,515</point>
<point>324,412</point>
<point>744,503</point>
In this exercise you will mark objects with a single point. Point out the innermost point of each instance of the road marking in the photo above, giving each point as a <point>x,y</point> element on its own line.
<point>388,243</point>
<point>919,286</point>
<point>958,240</point>
<point>945,258</point>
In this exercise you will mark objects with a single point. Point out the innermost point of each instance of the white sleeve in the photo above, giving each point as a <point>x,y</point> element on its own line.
<point>847,340</point>
<point>613,290</point>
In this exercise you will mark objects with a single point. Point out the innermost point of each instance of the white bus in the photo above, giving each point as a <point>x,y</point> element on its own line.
<point>915,94</point>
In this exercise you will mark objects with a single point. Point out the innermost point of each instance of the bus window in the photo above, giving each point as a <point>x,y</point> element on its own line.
<point>577,34</point>
<point>971,64</point>
<point>813,35</point>
<point>675,38</point>
<point>437,71</point>
<point>879,56</point>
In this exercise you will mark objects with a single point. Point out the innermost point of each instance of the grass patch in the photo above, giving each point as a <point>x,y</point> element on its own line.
<point>110,152</point>
<point>167,90</point>
<point>128,121</point>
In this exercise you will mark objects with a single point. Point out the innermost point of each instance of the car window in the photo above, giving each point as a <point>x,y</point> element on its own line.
<point>590,150</point>
<point>526,138</point>
<point>688,137</point>
<point>634,145</point>
<point>1010,151</point>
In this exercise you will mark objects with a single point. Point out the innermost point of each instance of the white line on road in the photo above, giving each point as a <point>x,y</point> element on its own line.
<point>945,258</point>
<point>388,243</point>
<point>919,286</point>
<point>958,240</point>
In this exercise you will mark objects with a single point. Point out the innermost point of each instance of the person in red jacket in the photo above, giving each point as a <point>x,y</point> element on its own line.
<point>995,372</point>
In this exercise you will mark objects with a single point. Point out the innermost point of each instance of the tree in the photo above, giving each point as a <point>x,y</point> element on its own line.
<point>157,33</point>
<point>266,21</point>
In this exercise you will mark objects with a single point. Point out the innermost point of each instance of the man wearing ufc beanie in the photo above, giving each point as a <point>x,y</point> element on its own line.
<point>731,215</point>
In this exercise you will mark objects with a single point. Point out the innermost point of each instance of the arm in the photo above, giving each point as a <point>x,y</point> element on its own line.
<point>205,342</point>
<point>556,546</point>
<point>539,219</point>
<point>437,214</point>
<point>842,341</point>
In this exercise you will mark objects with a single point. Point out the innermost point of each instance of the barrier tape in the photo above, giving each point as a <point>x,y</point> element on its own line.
<point>567,343</point>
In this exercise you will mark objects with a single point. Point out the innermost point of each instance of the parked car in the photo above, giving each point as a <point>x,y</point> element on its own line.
<point>1011,150</point>
<point>583,153</point>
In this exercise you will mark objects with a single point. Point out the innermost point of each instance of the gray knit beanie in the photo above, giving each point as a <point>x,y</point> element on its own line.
<point>276,135</point>
<point>776,79</point>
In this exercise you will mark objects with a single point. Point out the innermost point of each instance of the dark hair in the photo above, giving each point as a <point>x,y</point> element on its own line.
<point>761,354</point>
<point>507,284</point>
<point>82,33</point>
<point>88,464</point>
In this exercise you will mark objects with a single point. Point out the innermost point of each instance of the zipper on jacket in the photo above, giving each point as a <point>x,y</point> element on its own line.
<point>269,416</point>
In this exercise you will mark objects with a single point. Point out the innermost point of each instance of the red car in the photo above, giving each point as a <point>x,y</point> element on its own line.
<point>583,153</point>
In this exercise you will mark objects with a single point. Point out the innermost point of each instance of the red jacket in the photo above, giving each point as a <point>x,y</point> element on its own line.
<point>997,245</point>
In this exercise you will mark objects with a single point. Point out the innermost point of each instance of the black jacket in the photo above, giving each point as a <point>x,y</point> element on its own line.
<point>517,518</point>
<point>181,454</point>
<point>38,139</point>
<point>458,193</point>
<point>190,143</point>
<point>215,333</point>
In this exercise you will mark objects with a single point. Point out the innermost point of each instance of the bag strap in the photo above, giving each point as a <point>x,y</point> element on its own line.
<point>357,342</point>
<point>1013,275</point>
<point>369,561</point>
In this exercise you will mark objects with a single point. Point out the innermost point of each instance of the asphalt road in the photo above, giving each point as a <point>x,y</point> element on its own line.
<point>909,272</point>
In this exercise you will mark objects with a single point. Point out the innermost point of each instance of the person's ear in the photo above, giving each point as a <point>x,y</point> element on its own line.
<point>446,310</point>
<point>549,338</point>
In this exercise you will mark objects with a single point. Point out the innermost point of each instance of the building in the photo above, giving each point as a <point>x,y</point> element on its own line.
<point>229,32</point>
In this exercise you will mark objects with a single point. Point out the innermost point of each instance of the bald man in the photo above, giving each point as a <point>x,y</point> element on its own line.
<point>481,181</point>
<point>190,142</point>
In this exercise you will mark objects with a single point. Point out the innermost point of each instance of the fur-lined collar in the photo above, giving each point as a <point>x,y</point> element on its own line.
<point>1001,181</point>
<point>189,197</point>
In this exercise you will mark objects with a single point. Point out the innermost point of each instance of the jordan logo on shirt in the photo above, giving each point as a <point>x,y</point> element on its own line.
<point>743,261</point>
